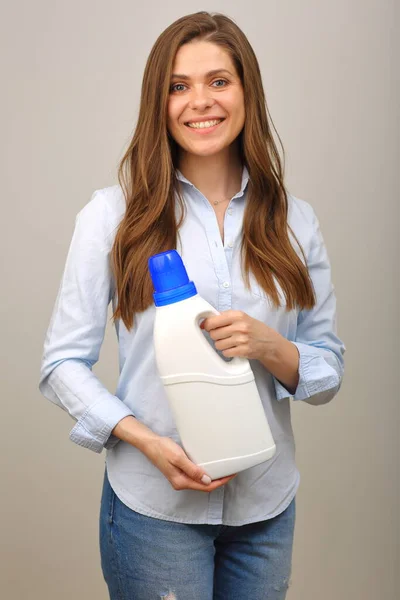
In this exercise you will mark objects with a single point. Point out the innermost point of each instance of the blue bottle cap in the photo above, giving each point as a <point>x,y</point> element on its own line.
<point>170,279</point>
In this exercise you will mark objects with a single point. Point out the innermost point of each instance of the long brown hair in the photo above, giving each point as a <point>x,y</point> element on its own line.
<point>147,176</point>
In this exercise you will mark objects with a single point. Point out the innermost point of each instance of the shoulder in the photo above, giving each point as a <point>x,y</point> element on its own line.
<point>303,221</point>
<point>105,203</point>
<point>300,213</point>
<point>102,214</point>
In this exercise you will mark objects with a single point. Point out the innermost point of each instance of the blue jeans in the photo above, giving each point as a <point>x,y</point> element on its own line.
<point>144,558</point>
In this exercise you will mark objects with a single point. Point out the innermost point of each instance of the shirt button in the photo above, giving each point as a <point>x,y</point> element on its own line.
<point>229,211</point>
<point>226,284</point>
<point>230,245</point>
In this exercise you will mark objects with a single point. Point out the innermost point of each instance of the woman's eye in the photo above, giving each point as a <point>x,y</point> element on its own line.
<point>218,80</point>
<point>174,86</point>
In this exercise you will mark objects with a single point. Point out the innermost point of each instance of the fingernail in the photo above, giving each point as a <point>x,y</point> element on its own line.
<point>206,479</point>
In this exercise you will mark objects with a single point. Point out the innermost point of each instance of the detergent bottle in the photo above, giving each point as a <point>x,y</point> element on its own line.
<point>216,406</point>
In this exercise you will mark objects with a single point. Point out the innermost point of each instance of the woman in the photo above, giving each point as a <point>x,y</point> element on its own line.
<point>203,175</point>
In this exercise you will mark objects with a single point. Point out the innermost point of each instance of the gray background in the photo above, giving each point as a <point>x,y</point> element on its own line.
<point>71,76</point>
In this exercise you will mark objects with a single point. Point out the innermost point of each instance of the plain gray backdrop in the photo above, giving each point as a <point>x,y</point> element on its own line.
<point>71,77</point>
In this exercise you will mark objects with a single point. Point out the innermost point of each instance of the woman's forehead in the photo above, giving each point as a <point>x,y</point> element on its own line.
<point>199,58</point>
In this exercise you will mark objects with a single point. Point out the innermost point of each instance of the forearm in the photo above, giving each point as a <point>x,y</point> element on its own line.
<point>135,433</point>
<point>281,359</point>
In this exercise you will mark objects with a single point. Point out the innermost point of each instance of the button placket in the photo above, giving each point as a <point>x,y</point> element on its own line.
<point>221,254</point>
<point>220,262</point>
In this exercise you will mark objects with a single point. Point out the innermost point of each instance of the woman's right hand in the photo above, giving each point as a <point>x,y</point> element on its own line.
<point>180,471</point>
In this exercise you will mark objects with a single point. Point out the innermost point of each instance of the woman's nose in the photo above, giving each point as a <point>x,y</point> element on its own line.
<point>200,98</point>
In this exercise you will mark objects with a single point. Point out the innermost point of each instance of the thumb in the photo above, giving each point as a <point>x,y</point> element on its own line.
<point>193,471</point>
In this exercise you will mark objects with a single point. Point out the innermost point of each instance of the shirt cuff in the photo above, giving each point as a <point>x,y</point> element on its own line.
<point>100,418</point>
<point>315,375</point>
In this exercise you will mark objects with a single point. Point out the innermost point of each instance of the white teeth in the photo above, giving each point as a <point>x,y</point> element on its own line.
<point>204,124</point>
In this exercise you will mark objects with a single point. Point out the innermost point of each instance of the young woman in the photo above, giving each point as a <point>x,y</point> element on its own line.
<point>203,175</point>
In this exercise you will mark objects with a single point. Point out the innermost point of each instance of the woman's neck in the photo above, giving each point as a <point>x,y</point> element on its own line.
<point>216,176</point>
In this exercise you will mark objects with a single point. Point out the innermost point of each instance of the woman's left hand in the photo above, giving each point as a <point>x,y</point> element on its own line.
<point>237,334</point>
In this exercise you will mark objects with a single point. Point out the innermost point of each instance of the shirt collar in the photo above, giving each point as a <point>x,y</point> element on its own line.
<point>245,179</point>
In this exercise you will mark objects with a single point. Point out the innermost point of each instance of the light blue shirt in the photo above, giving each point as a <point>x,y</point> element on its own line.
<point>75,335</point>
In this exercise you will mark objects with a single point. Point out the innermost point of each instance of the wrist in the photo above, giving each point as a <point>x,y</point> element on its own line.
<point>273,347</point>
<point>130,430</point>
<point>282,361</point>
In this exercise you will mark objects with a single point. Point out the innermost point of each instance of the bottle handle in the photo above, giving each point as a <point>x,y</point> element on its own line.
<point>238,364</point>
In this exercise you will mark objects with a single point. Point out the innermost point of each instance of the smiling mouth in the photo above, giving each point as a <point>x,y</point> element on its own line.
<point>204,124</point>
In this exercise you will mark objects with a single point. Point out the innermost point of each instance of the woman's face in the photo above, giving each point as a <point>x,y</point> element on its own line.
<point>205,87</point>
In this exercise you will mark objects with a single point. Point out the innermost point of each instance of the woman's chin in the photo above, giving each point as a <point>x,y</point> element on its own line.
<point>205,149</point>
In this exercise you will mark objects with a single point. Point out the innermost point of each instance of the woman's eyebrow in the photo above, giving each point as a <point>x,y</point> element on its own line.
<point>209,74</point>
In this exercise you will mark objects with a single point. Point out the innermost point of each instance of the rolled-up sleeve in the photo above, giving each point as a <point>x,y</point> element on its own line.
<point>76,332</point>
<point>321,364</point>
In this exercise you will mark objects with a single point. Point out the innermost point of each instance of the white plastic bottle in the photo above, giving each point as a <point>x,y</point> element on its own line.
<point>217,409</point>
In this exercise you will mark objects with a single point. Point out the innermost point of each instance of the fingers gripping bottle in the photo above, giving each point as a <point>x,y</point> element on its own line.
<point>216,406</point>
